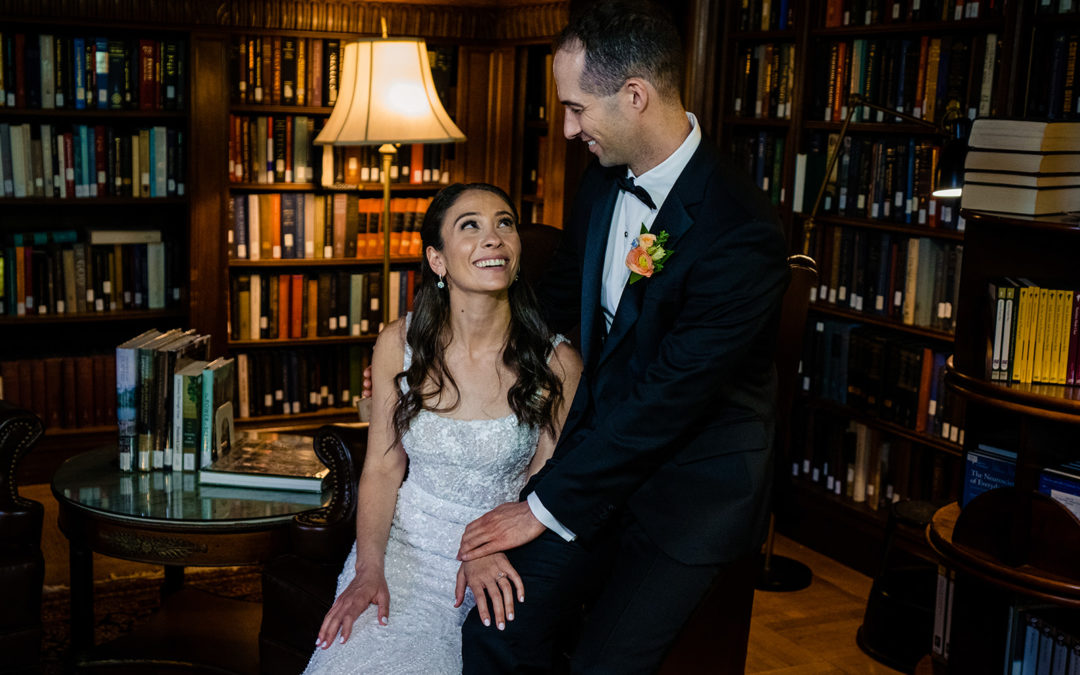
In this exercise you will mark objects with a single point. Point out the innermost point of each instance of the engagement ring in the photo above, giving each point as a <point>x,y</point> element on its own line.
<point>500,575</point>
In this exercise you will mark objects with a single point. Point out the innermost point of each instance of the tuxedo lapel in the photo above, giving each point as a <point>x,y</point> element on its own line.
<point>596,237</point>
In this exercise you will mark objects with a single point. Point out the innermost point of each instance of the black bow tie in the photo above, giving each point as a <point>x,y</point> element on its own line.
<point>626,183</point>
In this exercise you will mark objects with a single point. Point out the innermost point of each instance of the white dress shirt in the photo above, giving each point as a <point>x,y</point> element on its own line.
<point>629,215</point>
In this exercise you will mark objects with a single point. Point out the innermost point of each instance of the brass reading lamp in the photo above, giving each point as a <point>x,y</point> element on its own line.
<point>387,97</point>
<point>780,573</point>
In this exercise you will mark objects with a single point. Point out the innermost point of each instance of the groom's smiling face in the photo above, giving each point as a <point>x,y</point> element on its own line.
<point>597,120</point>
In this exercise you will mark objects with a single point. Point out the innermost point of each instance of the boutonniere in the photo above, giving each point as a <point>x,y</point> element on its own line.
<point>647,254</point>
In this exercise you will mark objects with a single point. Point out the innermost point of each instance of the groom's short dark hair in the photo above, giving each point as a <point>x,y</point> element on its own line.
<point>623,39</point>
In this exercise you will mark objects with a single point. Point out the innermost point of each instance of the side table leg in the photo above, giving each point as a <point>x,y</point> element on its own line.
<point>174,580</point>
<point>81,561</point>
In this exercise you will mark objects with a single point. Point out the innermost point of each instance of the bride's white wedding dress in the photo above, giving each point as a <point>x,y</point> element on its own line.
<point>458,470</point>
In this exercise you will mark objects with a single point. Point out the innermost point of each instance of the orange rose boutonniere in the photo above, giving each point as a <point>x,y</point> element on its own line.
<point>647,255</point>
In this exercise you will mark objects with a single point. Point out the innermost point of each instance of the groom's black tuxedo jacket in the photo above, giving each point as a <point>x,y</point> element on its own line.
<point>674,415</point>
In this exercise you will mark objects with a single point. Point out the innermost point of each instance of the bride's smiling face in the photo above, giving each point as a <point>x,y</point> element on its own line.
<point>481,249</point>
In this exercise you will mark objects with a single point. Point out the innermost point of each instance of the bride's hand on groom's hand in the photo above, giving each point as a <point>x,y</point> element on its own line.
<point>505,527</point>
<point>367,588</point>
<point>491,578</point>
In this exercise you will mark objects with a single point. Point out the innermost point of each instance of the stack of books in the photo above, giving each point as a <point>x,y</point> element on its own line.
<point>174,404</point>
<point>1023,167</point>
<point>265,460</point>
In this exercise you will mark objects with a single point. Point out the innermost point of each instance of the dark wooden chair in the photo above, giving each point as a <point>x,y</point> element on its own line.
<point>22,566</point>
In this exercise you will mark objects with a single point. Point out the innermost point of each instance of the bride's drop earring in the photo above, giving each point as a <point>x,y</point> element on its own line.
<point>441,283</point>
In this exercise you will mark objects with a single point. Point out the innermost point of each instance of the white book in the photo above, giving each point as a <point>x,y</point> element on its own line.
<point>18,160</point>
<point>155,275</point>
<point>125,236</point>
<point>48,72</point>
<point>800,183</point>
<point>987,90</point>
<point>309,225</point>
<point>48,171</point>
<point>254,243</point>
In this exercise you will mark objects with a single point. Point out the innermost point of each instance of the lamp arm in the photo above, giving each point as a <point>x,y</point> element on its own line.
<point>856,100</point>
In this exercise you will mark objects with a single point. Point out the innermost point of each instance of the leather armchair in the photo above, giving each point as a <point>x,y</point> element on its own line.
<point>299,586</point>
<point>22,566</point>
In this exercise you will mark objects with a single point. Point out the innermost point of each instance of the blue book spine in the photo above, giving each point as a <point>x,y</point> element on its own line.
<point>240,231</point>
<point>986,469</point>
<point>288,225</point>
<point>301,201</point>
<point>207,421</point>
<point>78,52</point>
<point>90,162</point>
<point>79,149</point>
<point>909,211</point>
<point>1062,487</point>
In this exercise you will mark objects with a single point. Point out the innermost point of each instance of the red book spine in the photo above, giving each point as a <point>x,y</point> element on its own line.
<point>100,156</point>
<point>284,312</point>
<point>1071,375</point>
<point>147,89</point>
<point>296,306</point>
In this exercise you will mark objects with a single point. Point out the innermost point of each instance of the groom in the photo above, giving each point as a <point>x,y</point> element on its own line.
<point>661,473</point>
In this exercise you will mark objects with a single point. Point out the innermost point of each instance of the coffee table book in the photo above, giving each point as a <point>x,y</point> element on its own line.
<point>267,460</point>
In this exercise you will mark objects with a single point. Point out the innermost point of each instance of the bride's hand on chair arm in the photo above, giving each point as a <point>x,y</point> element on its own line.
<point>377,490</point>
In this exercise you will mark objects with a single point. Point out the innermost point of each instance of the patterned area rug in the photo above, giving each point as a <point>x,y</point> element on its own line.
<point>122,604</point>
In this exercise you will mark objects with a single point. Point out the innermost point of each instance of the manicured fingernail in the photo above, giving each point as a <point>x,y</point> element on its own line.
<point>342,639</point>
<point>521,598</point>
<point>502,626</point>
<point>510,616</point>
<point>487,622</point>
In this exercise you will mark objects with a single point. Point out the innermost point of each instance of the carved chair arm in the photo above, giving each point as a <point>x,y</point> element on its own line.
<point>20,519</point>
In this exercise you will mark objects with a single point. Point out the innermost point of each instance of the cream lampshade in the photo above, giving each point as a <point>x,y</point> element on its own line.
<point>386,96</point>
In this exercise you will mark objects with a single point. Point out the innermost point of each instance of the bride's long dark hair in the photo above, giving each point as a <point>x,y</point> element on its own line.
<point>535,395</point>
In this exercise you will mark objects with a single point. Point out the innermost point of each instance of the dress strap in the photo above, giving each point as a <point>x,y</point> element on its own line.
<point>407,357</point>
<point>556,340</point>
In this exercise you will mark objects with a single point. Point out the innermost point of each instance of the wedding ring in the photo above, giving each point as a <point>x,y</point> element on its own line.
<point>500,575</point>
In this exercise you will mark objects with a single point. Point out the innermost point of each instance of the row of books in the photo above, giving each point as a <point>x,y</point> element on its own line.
<point>299,380</point>
<point>1054,94</point>
<point>1035,168</point>
<point>45,70</point>
<point>345,167</point>
<point>324,304</point>
<point>286,70</point>
<point>989,467</point>
<point>81,160</point>
<point>871,12</point>
<point>765,81</point>
<point>911,280</point>
<point>1035,333</point>
<point>896,380</point>
<point>871,467</point>
<point>174,405</point>
<point>762,155</point>
<point>64,272</point>
<point>888,180</point>
<point>917,76</point>
<point>278,149</point>
<point>269,226</point>
<point>1042,639</point>
<point>66,392</point>
<point>755,15</point>
<point>1057,7</point>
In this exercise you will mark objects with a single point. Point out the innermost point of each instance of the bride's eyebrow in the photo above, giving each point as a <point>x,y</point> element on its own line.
<point>470,214</point>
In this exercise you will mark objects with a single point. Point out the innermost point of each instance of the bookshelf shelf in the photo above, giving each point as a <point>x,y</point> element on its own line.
<point>8,202</point>
<point>862,317</point>
<point>92,114</point>
<point>299,342</point>
<point>875,422</point>
<point>258,108</point>
<point>910,28</point>
<point>298,420</point>
<point>771,123</point>
<point>321,262</point>
<point>1047,401</point>
<point>898,128</point>
<point>764,35</point>
<point>313,187</point>
<point>886,226</point>
<point>133,315</point>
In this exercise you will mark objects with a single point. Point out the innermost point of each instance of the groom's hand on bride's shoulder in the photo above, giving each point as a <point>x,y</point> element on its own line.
<point>505,527</point>
<point>366,393</point>
<point>493,581</point>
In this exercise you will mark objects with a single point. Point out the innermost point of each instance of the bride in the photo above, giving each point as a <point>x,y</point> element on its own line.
<point>469,394</point>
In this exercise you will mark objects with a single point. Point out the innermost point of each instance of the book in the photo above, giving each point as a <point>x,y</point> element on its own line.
<point>1023,162</point>
<point>1024,135</point>
<point>987,467</point>
<point>1063,484</point>
<point>1032,180</point>
<point>268,460</point>
<point>1029,201</point>
<point>216,429</point>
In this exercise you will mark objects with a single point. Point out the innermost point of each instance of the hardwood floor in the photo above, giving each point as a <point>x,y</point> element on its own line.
<point>808,632</point>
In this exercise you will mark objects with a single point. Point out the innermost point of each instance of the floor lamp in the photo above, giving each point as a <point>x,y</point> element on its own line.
<point>780,573</point>
<point>386,96</point>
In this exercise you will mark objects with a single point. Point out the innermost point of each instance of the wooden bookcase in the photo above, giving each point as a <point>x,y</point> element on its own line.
<point>487,38</point>
<point>1011,547</point>
<point>782,136</point>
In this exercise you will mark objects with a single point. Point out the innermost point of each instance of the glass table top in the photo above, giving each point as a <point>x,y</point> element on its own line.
<point>94,481</point>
